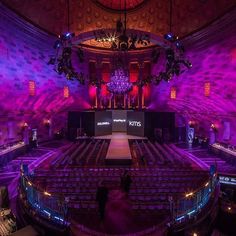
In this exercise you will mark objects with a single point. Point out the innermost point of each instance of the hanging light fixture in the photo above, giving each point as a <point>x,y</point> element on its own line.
<point>119,82</point>
<point>174,54</point>
<point>119,39</point>
<point>63,53</point>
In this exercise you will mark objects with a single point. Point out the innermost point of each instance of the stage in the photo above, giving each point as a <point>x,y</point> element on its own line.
<point>118,151</point>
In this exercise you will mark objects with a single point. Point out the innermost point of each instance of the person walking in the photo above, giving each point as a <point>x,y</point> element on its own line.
<point>101,198</point>
<point>125,181</point>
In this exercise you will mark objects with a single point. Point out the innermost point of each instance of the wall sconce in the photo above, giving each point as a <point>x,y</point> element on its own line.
<point>213,127</point>
<point>191,124</point>
<point>24,126</point>
<point>47,123</point>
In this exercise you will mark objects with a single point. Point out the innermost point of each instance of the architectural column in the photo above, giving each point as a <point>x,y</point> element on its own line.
<point>140,90</point>
<point>98,82</point>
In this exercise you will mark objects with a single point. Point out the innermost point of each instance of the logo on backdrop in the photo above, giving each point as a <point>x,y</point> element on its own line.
<point>103,123</point>
<point>135,123</point>
<point>119,120</point>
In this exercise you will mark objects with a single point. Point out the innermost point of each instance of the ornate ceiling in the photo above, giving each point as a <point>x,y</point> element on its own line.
<point>151,16</point>
<point>120,4</point>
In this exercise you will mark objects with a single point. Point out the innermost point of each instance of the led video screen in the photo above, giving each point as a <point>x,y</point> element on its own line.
<point>135,123</point>
<point>103,123</point>
<point>119,118</point>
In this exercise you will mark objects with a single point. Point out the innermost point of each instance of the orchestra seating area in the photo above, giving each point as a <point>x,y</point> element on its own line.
<point>75,173</point>
<point>92,152</point>
<point>85,152</point>
<point>149,190</point>
<point>150,153</point>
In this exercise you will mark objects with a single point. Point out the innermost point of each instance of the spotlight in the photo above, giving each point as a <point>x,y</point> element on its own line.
<point>170,37</point>
<point>188,64</point>
<point>47,194</point>
<point>179,46</point>
<point>67,36</point>
<point>176,69</point>
<point>189,194</point>
<point>57,44</point>
<point>170,54</point>
<point>52,61</point>
<point>123,42</point>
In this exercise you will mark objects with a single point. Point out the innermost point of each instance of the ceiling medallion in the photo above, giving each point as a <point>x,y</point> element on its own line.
<point>119,5</point>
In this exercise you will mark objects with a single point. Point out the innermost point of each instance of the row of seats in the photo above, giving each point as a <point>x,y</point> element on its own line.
<point>146,188</point>
<point>152,153</point>
<point>86,152</point>
<point>165,173</point>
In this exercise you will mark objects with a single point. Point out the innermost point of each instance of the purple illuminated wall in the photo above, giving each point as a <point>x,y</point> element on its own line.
<point>212,52</point>
<point>24,53</point>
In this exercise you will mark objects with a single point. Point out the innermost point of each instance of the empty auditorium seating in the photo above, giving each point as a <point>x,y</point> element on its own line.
<point>149,191</point>
<point>159,154</point>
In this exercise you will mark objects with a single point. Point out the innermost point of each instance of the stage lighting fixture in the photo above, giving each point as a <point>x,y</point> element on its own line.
<point>170,55</point>
<point>80,55</point>
<point>173,54</point>
<point>170,37</point>
<point>188,64</point>
<point>177,69</point>
<point>52,61</point>
<point>179,45</point>
<point>155,55</point>
<point>57,44</point>
<point>123,42</point>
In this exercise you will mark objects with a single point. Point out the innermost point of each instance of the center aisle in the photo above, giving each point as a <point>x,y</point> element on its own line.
<point>118,151</point>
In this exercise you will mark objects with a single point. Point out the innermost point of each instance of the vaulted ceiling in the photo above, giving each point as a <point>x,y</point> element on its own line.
<point>146,15</point>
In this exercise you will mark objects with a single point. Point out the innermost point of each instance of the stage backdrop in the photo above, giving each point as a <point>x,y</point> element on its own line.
<point>159,125</point>
<point>119,119</point>
<point>103,123</point>
<point>135,123</point>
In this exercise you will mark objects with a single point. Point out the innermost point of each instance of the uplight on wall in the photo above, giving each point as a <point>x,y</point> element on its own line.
<point>207,89</point>
<point>66,92</point>
<point>173,93</point>
<point>32,88</point>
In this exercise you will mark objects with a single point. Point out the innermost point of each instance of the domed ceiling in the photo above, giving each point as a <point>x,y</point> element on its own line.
<point>148,15</point>
<point>121,4</point>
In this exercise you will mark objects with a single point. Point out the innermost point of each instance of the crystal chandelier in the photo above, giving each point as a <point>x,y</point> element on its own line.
<point>119,82</point>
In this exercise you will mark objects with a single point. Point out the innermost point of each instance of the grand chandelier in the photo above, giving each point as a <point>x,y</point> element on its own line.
<point>119,82</point>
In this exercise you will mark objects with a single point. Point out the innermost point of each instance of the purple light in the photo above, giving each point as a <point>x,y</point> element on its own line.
<point>119,82</point>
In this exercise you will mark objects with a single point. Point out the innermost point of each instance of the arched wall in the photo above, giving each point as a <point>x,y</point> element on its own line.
<point>24,53</point>
<point>212,52</point>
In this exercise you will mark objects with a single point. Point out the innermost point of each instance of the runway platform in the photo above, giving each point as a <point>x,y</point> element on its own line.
<point>118,151</point>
